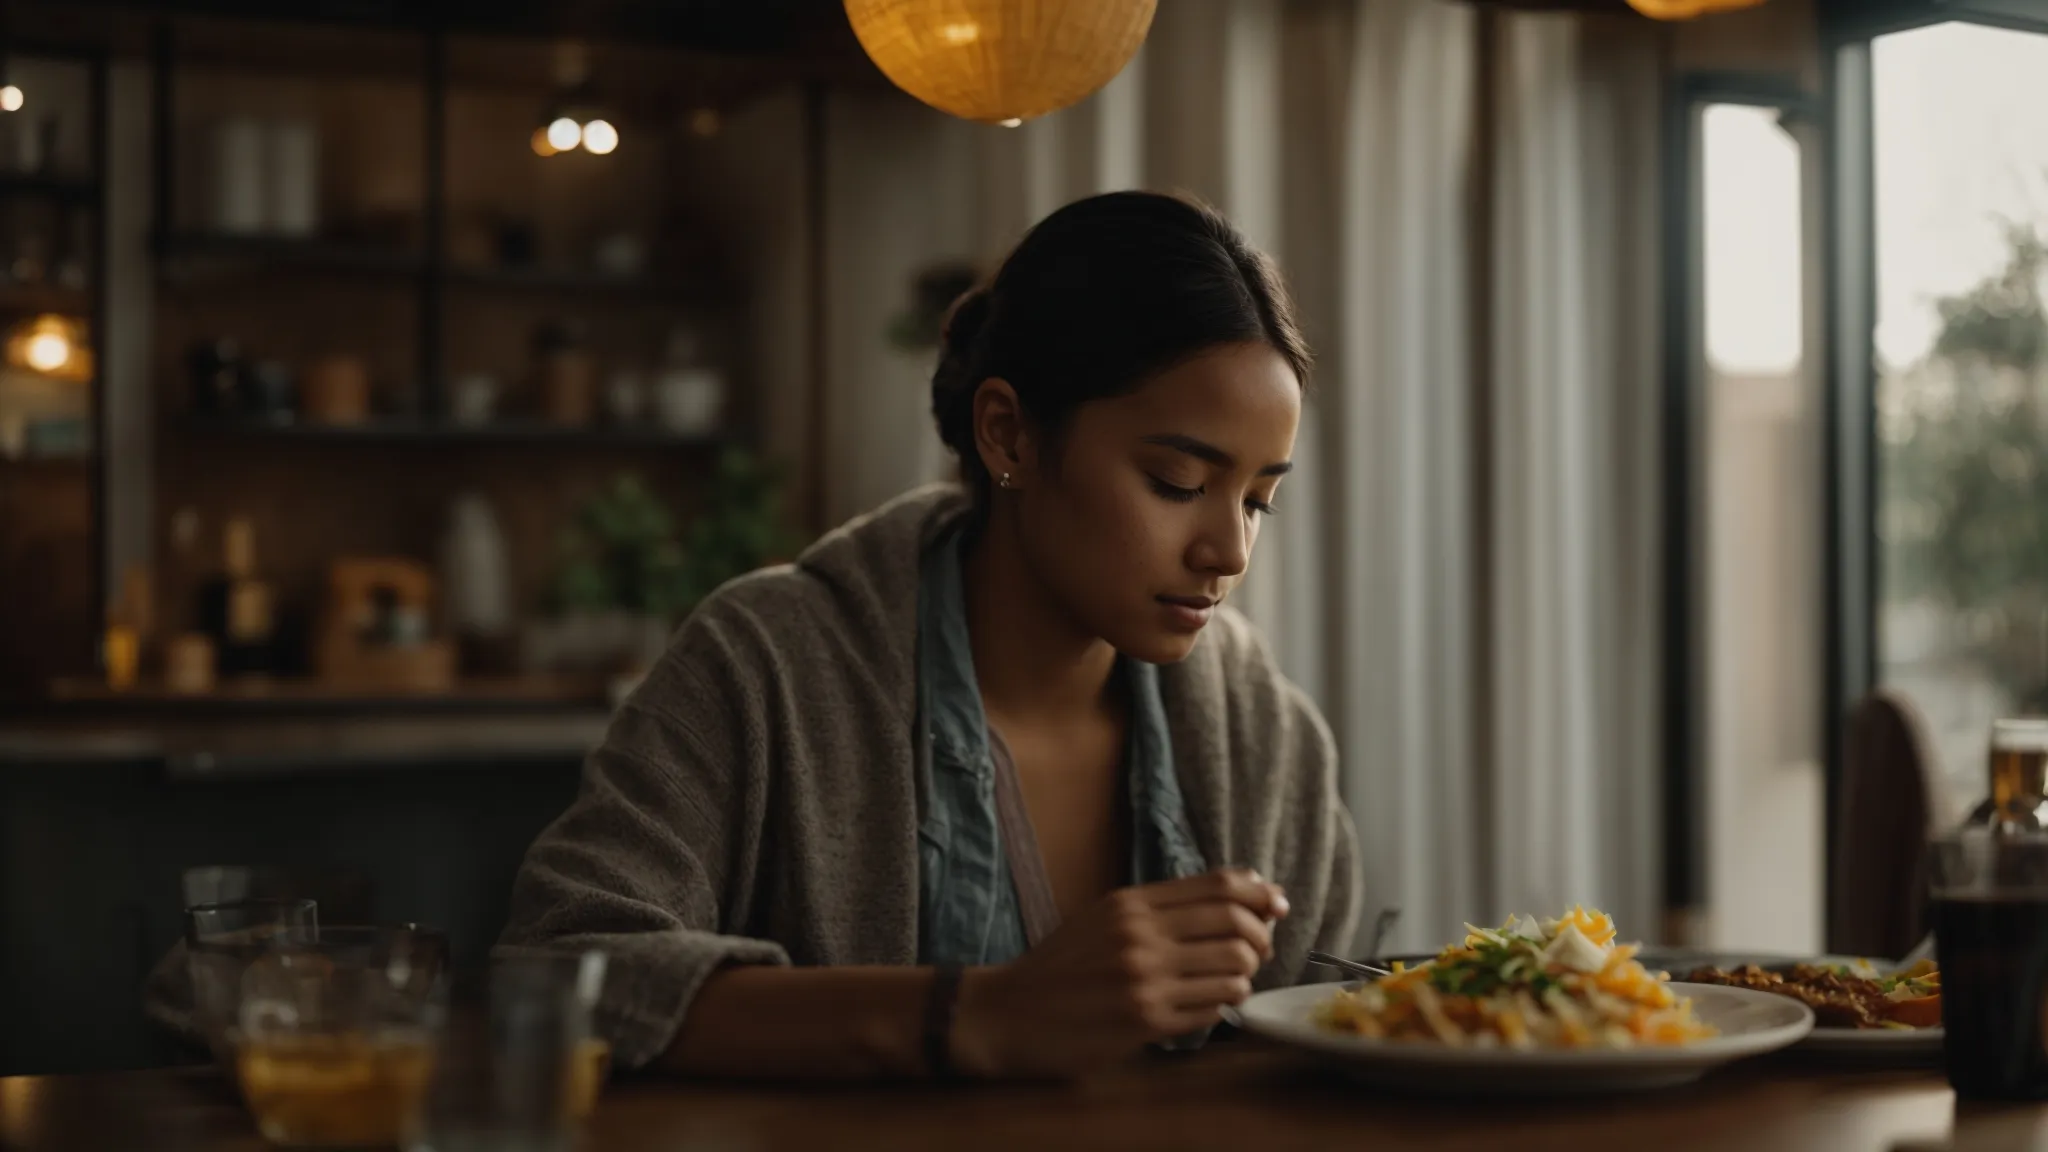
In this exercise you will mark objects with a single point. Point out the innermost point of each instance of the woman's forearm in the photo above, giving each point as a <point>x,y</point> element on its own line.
<point>813,1023</point>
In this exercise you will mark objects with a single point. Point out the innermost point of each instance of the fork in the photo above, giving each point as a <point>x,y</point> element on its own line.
<point>1351,966</point>
<point>1381,925</point>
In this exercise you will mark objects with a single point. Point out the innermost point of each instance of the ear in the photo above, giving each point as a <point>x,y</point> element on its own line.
<point>1001,433</point>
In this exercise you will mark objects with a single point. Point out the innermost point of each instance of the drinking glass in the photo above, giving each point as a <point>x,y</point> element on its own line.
<point>232,883</point>
<point>335,1033</point>
<point>518,1069</point>
<point>220,942</point>
<point>1989,889</point>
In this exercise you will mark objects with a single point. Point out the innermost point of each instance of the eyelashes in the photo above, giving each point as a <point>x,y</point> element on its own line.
<point>1179,495</point>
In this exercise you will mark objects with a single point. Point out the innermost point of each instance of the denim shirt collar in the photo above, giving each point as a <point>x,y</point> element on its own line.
<point>969,912</point>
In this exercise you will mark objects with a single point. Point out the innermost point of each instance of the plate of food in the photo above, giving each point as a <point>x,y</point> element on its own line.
<point>1859,1008</point>
<point>1531,1007</point>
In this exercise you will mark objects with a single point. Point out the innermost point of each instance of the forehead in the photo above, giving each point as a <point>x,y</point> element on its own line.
<point>1243,398</point>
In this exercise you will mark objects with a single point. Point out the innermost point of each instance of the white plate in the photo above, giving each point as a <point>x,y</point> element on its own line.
<point>1751,1024</point>
<point>1875,1043</point>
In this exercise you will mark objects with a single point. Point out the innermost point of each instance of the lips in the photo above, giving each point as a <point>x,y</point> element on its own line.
<point>1188,613</point>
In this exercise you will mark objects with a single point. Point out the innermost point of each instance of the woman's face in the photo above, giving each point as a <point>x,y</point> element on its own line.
<point>1144,518</point>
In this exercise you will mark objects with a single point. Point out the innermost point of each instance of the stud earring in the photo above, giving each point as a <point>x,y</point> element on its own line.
<point>1004,481</point>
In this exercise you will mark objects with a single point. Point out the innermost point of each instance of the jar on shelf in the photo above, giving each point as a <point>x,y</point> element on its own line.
<point>568,374</point>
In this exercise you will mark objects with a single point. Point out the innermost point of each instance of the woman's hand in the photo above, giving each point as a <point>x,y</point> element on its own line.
<point>1140,965</point>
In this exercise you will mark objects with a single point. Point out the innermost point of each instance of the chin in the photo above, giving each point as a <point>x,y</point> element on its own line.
<point>1158,647</point>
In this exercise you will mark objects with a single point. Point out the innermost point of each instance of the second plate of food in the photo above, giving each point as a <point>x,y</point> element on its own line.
<point>1862,1011</point>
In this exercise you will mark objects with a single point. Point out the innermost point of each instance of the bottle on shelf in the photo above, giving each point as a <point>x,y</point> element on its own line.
<point>237,609</point>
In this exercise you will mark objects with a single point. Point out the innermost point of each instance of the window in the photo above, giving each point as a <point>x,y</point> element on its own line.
<point>1758,491</point>
<point>1960,159</point>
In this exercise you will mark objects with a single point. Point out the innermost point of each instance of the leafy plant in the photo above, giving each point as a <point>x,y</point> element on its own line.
<point>623,549</point>
<point>741,529</point>
<point>1965,481</point>
<point>620,551</point>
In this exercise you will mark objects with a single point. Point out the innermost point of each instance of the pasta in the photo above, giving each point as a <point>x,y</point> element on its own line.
<point>1560,983</point>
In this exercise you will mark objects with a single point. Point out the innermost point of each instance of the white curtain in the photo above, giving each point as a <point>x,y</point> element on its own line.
<point>1574,449</point>
<point>1395,457</point>
<point>1472,593</point>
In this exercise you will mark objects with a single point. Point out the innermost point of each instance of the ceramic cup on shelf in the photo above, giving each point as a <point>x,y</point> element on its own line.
<point>475,399</point>
<point>294,184</point>
<point>238,176</point>
<point>690,400</point>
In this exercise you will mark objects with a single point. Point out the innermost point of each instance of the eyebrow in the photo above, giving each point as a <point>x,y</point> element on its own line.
<point>1205,451</point>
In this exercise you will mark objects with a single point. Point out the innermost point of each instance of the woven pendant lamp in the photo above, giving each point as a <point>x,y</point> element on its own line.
<point>1687,9</point>
<point>1000,61</point>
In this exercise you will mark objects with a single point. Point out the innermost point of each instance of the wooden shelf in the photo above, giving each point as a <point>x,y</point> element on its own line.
<point>300,694</point>
<point>45,298</point>
<point>184,251</point>
<point>64,190</point>
<point>576,281</point>
<point>421,431</point>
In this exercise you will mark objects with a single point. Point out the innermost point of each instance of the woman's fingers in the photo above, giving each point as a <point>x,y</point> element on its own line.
<point>1218,958</point>
<point>1234,885</point>
<point>1206,993</point>
<point>1217,921</point>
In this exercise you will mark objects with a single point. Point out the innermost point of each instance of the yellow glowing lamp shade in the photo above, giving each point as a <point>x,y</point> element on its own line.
<point>998,60</point>
<point>1688,9</point>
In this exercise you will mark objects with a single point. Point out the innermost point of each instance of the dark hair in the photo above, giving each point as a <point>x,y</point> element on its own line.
<point>1099,297</point>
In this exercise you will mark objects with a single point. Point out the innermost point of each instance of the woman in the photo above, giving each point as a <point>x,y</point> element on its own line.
<point>988,783</point>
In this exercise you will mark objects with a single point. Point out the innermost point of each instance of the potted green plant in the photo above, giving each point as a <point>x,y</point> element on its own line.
<point>627,572</point>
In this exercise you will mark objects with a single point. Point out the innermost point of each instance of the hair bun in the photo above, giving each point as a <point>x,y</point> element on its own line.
<point>965,321</point>
<point>954,381</point>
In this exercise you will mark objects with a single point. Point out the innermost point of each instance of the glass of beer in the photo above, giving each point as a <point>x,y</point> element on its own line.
<point>2019,776</point>
<point>1989,889</point>
<point>518,1065</point>
<point>335,1034</point>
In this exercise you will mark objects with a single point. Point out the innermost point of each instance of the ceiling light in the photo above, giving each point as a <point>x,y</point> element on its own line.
<point>564,133</point>
<point>600,137</point>
<point>1000,60</point>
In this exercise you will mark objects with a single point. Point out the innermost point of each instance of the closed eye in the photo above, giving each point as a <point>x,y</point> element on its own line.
<point>1175,492</point>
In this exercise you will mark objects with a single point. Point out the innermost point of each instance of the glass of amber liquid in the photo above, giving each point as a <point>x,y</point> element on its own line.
<point>335,1041</point>
<point>519,1066</point>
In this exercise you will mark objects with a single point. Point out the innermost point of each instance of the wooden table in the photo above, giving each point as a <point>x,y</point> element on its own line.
<point>1241,1095</point>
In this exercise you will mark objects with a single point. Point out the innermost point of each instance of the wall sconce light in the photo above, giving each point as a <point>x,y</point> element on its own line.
<point>11,98</point>
<point>51,345</point>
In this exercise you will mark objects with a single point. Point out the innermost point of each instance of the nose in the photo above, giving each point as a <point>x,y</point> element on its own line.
<point>1223,544</point>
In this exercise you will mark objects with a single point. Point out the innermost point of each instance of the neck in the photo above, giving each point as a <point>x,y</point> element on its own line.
<point>1030,657</point>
